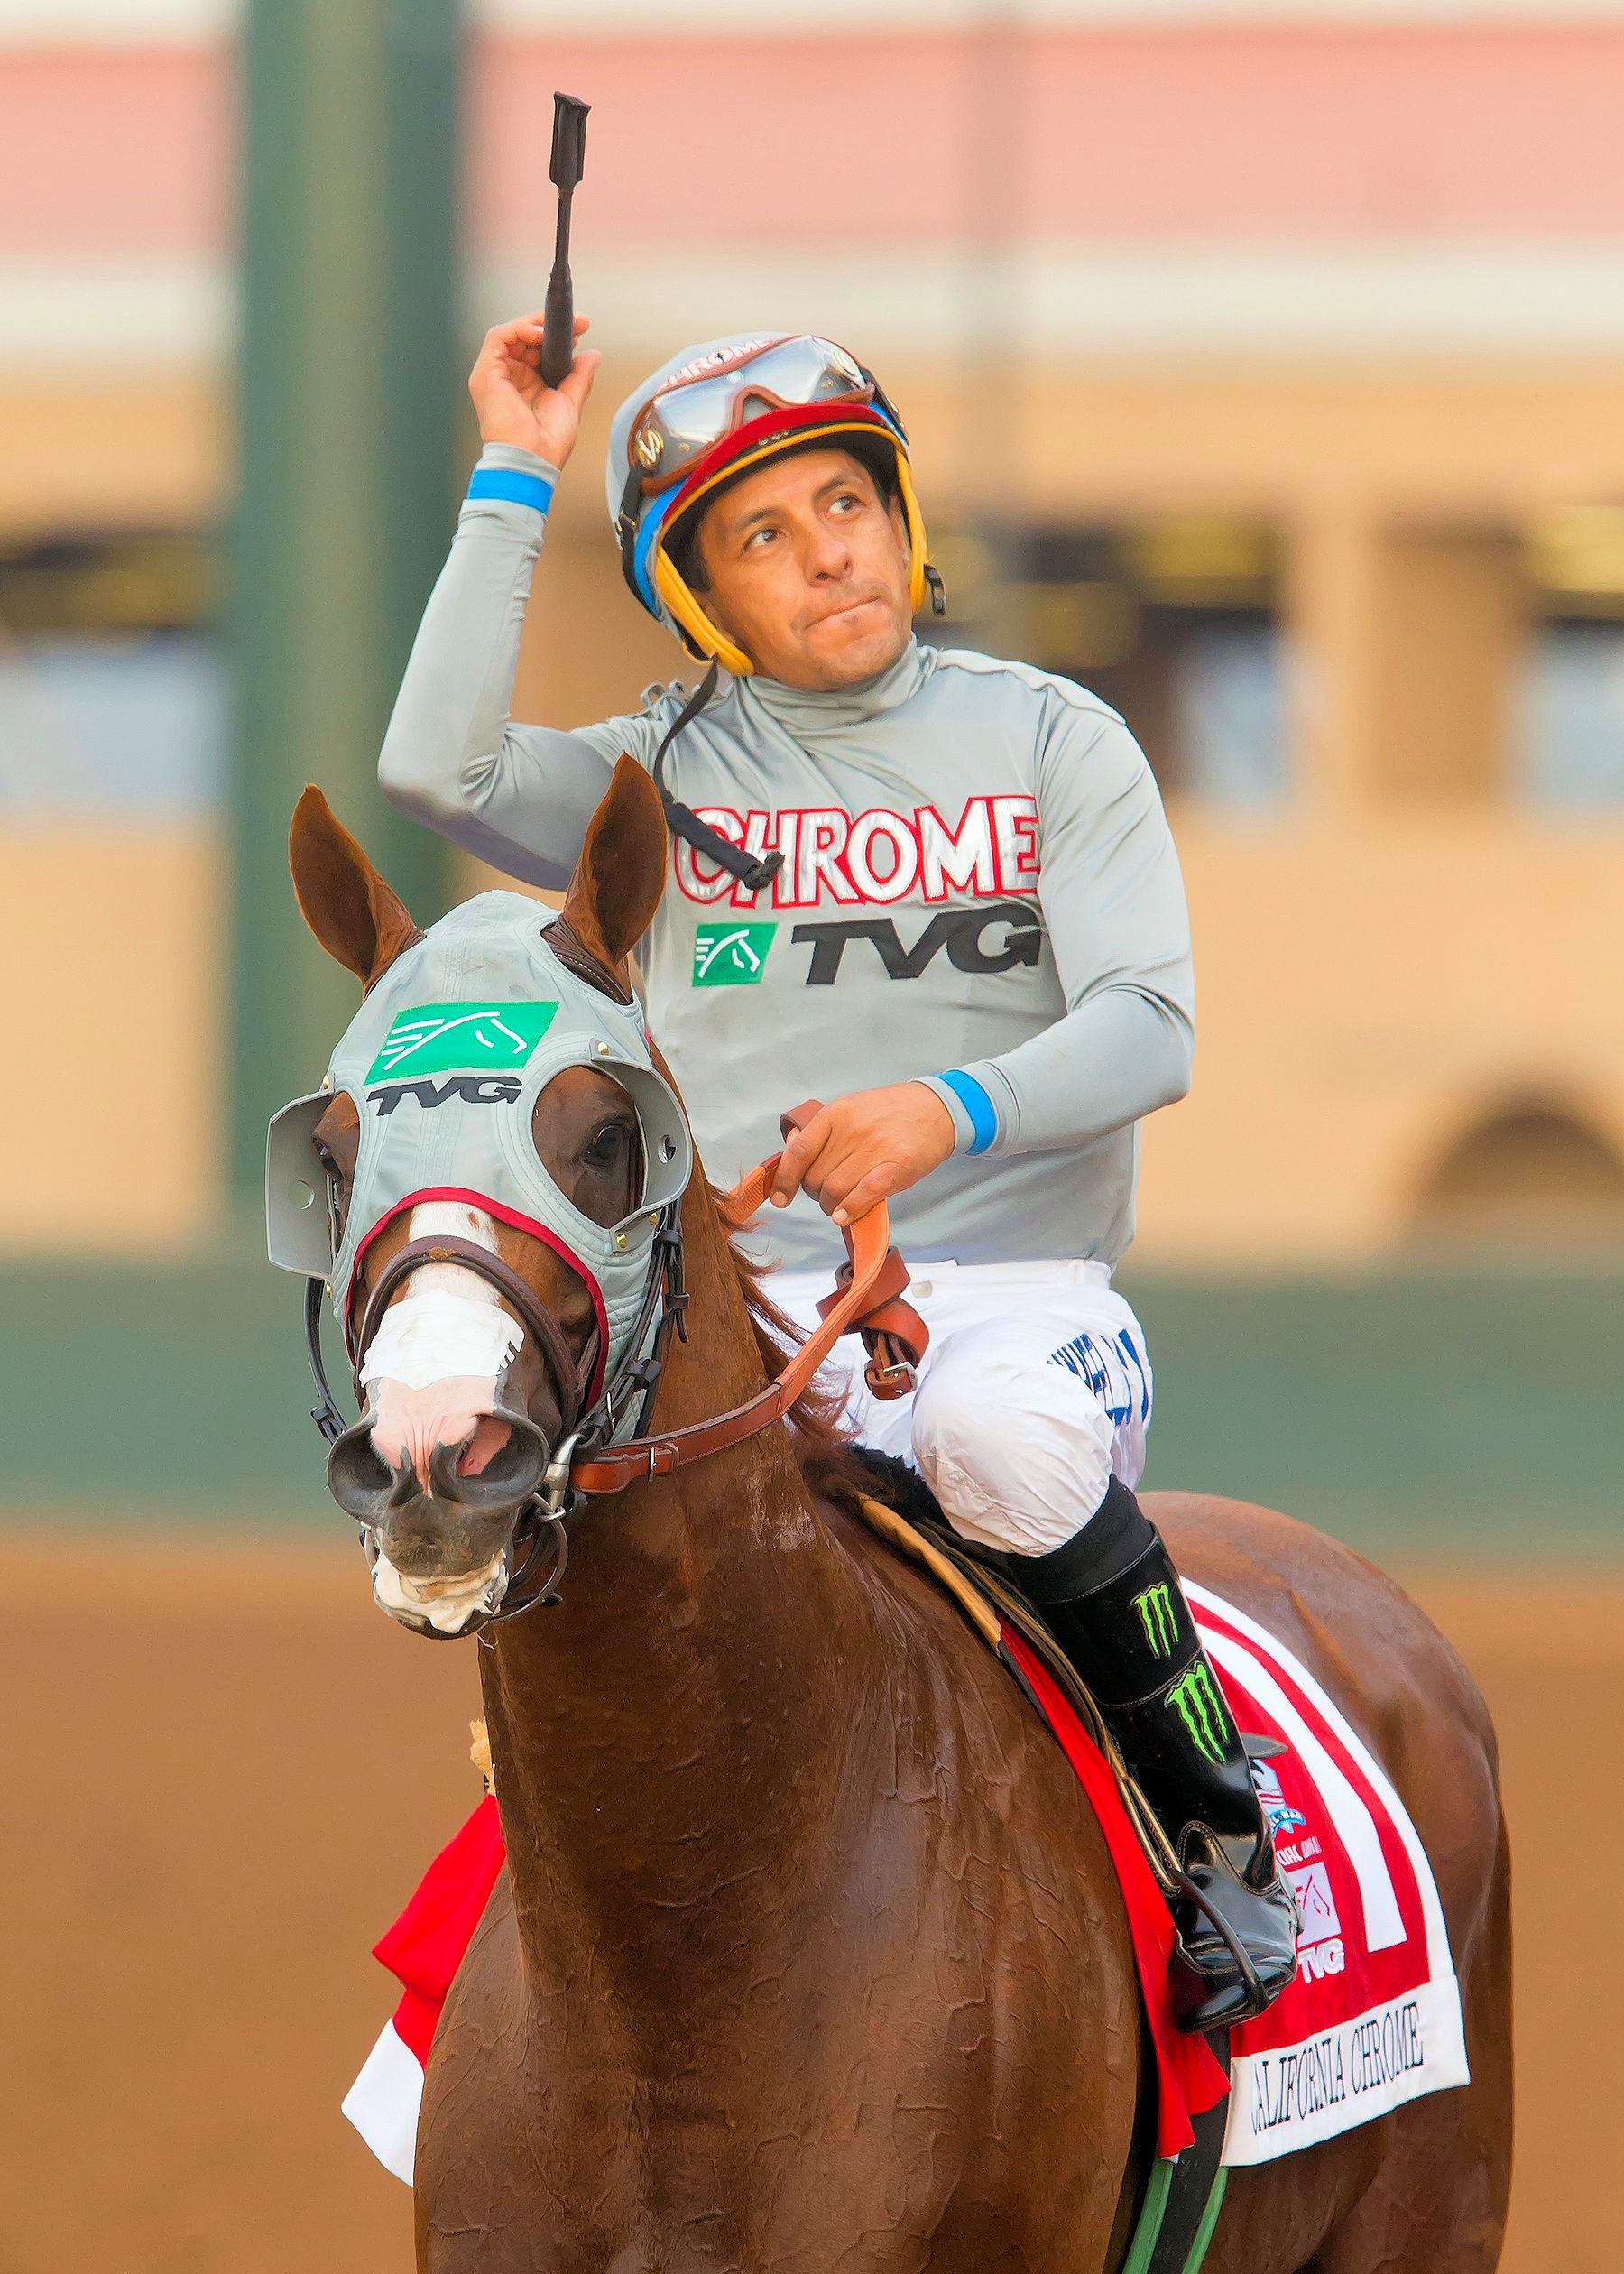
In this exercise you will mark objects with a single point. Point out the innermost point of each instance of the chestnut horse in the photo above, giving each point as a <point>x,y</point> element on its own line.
<point>808,1956</point>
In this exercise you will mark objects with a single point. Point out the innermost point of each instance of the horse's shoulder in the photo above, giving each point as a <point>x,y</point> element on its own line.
<point>1001,1787</point>
<point>953,1670</point>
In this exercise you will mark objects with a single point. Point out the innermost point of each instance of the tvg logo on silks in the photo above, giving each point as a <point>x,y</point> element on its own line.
<point>443,1037</point>
<point>1154,1608</point>
<point>1195,1699</point>
<point>731,955</point>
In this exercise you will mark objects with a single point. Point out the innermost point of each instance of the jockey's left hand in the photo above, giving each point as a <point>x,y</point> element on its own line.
<point>864,1148</point>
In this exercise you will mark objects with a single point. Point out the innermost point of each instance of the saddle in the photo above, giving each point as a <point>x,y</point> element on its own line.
<point>904,1513</point>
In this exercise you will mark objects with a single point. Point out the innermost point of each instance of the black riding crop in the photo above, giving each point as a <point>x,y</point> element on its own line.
<point>568,162</point>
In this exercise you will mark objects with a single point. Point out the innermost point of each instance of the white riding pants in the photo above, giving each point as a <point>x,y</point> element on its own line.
<point>1036,1390</point>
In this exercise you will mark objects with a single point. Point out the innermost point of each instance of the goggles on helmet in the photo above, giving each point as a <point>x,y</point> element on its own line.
<point>696,409</point>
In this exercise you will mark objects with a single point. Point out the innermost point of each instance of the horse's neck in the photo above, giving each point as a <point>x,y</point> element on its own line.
<point>682,1723</point>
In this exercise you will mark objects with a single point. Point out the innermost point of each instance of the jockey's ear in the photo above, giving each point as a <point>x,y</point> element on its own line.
<point>621,873</point>
<point>361,920</point>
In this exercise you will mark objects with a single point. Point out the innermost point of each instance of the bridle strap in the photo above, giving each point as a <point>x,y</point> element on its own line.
<point>873,1272</point>
<point>869,1299</point>
<point>571,1374</point>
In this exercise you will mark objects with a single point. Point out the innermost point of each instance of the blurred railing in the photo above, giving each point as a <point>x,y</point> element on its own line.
<point>1451,1414</point>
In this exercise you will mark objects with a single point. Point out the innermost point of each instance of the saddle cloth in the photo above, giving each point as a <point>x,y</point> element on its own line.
<point>1373,2020</point>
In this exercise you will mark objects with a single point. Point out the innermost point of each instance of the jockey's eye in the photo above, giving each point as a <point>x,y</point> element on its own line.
<point>608,1146</point>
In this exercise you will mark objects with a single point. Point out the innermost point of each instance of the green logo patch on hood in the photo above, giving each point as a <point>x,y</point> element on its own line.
<point>731,955</point>
<point>442,1038</point>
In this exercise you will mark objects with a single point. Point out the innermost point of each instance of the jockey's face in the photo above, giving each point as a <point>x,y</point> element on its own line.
<point>806,565</point>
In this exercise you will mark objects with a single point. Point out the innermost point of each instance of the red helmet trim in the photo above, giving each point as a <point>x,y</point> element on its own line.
<point>767,428</point>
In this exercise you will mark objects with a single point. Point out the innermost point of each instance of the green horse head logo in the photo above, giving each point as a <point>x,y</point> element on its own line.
<point>731,955</point>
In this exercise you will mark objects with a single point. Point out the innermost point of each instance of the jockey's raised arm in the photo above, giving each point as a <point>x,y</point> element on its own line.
<point>947,881</point>
<point>519,796</point>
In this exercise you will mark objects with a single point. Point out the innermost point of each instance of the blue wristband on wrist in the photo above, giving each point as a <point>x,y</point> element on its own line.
<point>983,1120</point>
<point>512,488</point>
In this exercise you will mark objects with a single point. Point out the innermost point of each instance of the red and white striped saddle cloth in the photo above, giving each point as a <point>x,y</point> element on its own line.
<point>1372,2020</point>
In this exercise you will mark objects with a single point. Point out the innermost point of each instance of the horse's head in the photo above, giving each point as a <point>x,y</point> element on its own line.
<point>501,1163</point>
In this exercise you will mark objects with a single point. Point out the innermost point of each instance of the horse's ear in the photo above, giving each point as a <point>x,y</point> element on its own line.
<point>621,873</point>
<point>361,921</point>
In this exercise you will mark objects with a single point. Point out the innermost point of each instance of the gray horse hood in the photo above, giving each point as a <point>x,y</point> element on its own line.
<point>444,1062</point>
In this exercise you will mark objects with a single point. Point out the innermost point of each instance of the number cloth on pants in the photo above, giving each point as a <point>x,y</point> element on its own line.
<point>1035,1391</point>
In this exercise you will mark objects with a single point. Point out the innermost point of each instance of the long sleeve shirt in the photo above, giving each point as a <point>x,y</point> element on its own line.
<point>979,890</point>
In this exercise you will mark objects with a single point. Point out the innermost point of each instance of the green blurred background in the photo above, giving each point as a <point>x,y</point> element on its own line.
<point>1443,1415</point>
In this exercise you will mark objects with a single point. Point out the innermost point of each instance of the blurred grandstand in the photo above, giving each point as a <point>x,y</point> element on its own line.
<point>1264,366</point>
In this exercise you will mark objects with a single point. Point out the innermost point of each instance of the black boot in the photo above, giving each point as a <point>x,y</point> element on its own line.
<point>1114,1600</point>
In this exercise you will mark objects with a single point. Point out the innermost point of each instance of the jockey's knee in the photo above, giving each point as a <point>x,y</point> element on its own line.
<point>1018,1451</point>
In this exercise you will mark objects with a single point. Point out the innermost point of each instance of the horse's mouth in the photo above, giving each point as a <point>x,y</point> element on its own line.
<point>440,1544</point>
<point>442,1559</point>
<point>444,1609</point>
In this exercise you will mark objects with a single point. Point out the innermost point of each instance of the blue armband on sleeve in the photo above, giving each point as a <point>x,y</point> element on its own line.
<point>977,1106</point>
<point>512,487</point>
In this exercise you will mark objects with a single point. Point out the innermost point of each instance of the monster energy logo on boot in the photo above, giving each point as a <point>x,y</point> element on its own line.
<point>1155,1607</point>
<point>1195,1699</point>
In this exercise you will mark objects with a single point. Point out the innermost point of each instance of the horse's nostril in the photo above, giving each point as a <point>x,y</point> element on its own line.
<point>491,1471</point>
<point>510,1474</point>
<point>358,1477</point>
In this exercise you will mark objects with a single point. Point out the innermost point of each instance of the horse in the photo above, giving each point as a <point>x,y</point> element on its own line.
<point>807,1956</point>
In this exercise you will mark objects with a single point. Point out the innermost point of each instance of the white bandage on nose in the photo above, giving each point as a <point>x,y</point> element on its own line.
<point>425,1338</point>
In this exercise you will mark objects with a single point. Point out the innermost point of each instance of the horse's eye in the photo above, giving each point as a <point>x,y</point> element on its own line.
<point>607,1147</point>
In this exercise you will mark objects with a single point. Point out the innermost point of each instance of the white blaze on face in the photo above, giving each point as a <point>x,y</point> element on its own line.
<point>433,1365</point>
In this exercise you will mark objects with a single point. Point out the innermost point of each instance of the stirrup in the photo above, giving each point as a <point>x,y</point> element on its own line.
<point>1224,2003</point>
<point>1256,1999</point>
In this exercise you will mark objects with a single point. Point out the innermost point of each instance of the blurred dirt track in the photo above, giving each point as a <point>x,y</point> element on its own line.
<point>228,1762</point>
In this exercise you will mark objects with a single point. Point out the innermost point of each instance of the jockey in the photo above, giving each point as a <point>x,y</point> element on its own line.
<point>948,886</point>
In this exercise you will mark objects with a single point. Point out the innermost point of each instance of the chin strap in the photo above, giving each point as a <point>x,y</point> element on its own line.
<point>754,871</point>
